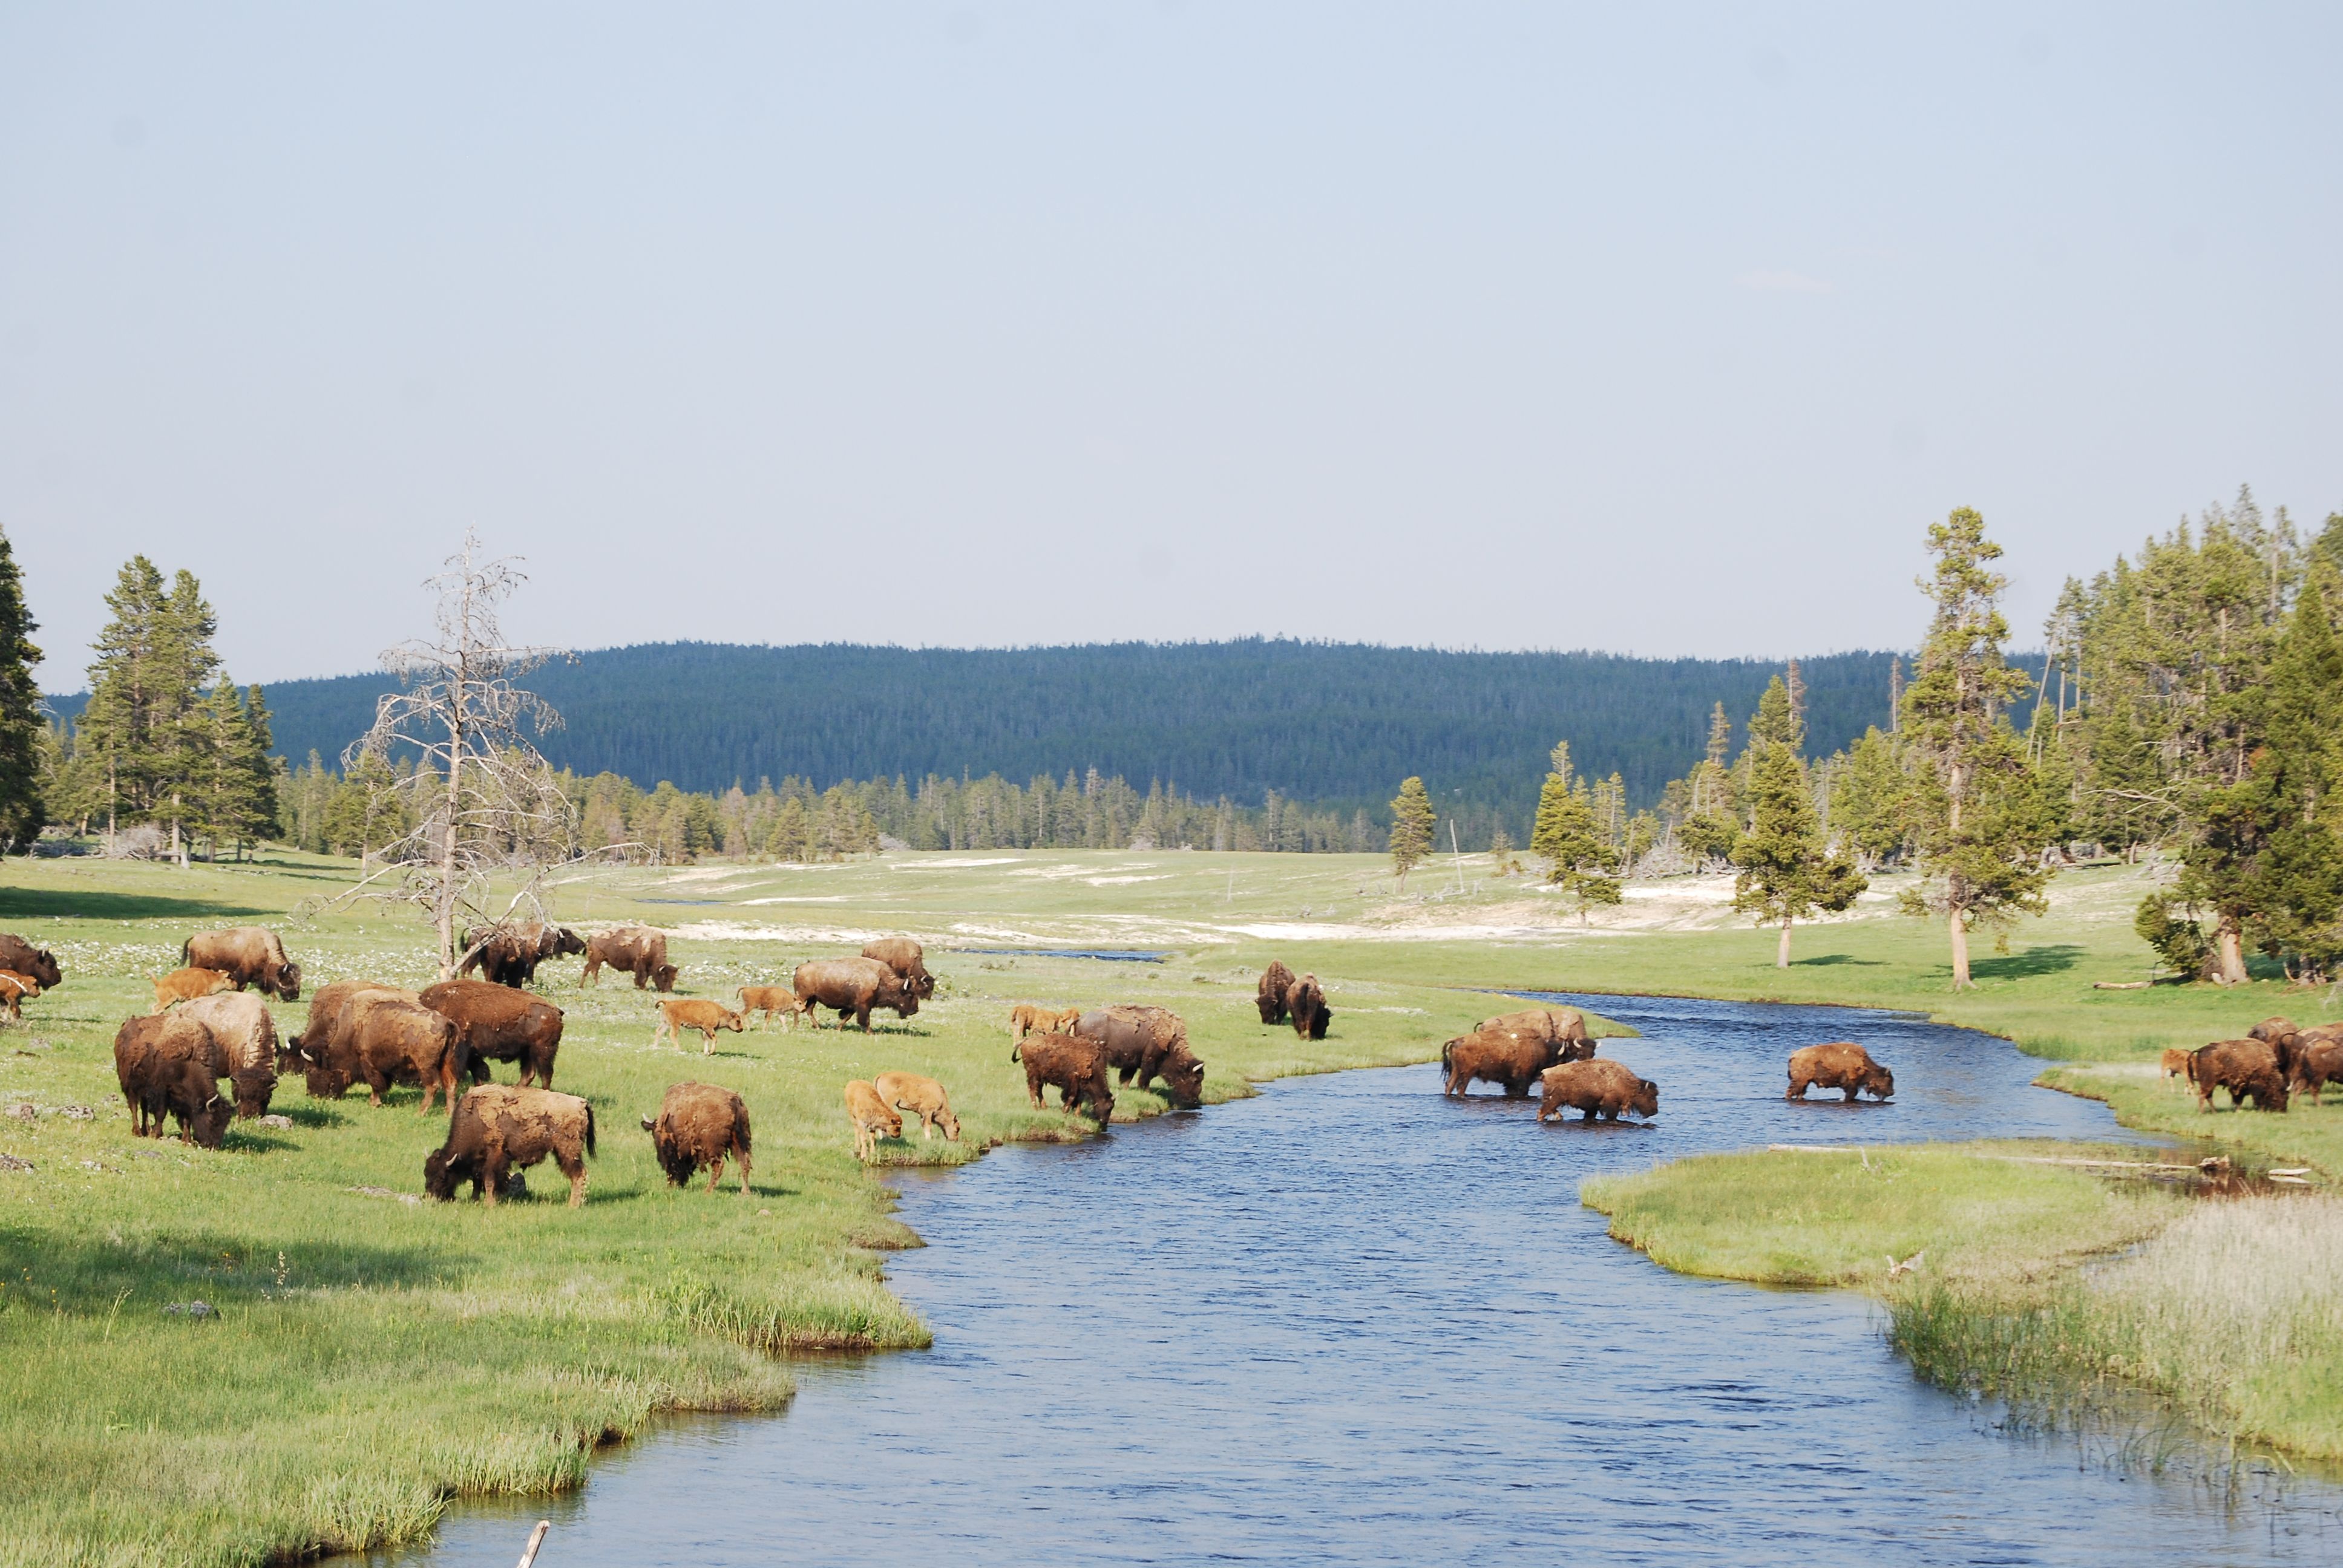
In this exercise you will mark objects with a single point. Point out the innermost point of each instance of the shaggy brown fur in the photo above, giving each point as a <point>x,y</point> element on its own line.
<point>907,958</point>
<point>2243,1067</point>
<point>1031,1018</point>
<point>187,984</point>
<point>2281,1035</point>
<point>1077,1067</point>
<point>1595,1089</point>
<point>706,1017</point>
<point>699,1124</point>
<point>498,1129</point>
<point>1840,1064</point>
<point>770,1000</point>
<point>166,1066</point>
<point>637,950</point>
<point>244,1032</point>
<point>1269,996</point>
<point>2318,1060</point>
<point>20,957</point>
<point>508,955</point>
<point>500,1024</point>
<point>1143,1044</point>
<point>247,955</point>
<point>873,1117</point>
<point>852,986</point>
<point>1513,1056</point>
<point>385,1037</point>
<point>1305,1003</point>
<point>1565,1025</point>
<point>923,1098</point>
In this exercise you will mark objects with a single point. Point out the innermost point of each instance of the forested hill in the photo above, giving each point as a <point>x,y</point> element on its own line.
<point>1331,723</point>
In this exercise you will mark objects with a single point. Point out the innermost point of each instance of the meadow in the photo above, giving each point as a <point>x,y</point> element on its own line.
<point>366,1356</point>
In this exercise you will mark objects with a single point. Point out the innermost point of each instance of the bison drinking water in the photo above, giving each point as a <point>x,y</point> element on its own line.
<point>699,1124</point>
<point>1595,1088</point>
<point>853,986</point>
<point>1269,996</point>
<point>923,1098</point>
<point>1142,1043</point>
<point>873,1117</point>
<point>247,955</point>
<point>1077,1068</point>
<point>498,1129</point>
<point>500,1025</point>
<point>1841,1064</point>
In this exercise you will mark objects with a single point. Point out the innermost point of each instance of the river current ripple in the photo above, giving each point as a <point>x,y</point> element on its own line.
<point>1352,1322</point>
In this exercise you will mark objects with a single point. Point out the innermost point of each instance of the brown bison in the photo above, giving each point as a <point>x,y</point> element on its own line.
<point>1602,1089</point>
<point>706,1017</point>
<point>2318,1060</point>
<point>873,1117</point>
<point>21,957</point>
<point>853,986</point>
<point>699,1124</point>
<point>1513,1056</point>
<point>907,958</point>
<point>247,955</point>
<point>244,1034</point>
<point>2281,1035</point>
<point>501,1127</point>
<point>637,950</point>
<point>1029,1017</point>
<point>1142,1043</point>
<point>385,1037</point>
<point>770,1000</point>
<point>1841,1064</point>
<point>508,955</point>
<point>1077,1067</point>
<point>923,1098</point>
<point>186,985</point>
<point>306,1051</point>
<point>165,1067</point>
<point>1305,1003</point>
<point>2243,1067</point>
<point>15,987</point>
<point>1563,1025</point>
<point>1269,996</point>
<point>500,1024</point>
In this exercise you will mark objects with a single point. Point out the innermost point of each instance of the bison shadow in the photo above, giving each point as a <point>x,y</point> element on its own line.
<point>40,904</point>
<point>1573,1119</point>
<point>243,1139</point>
<point>315,1114</point>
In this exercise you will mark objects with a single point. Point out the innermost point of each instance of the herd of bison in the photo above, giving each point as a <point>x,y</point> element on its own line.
<point>207,1027</point>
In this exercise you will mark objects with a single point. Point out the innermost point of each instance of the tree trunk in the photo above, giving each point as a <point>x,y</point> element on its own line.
<point>1782,953</point>
<point>2233,952</point>
<point>1959,927</point>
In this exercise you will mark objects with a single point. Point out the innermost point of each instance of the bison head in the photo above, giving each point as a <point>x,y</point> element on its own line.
<point>284,980</point>
<point>439,1175</point>
<point>664,975</point>
<point>559,940</point>
<point>208,1126</point>
<point>1185,1075</point>
<point>1879,1081</point>
<point>45,970</point>
<point>1647,1102</point>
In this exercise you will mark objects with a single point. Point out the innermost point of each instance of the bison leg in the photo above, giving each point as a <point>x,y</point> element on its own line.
<point>491,1170</point>
<point>715,1171</point>
<point>861,1016</point>
<point>742,1154</point>
<point>1797,1088</point>
<point>708,1042</point>
<point>573,1166</point>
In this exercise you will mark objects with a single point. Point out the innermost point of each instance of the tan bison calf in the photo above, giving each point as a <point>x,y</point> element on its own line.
<point>2243,1067</point>
<point>247,955</point>
<point>706,1017</point>
<point>2175,1062</point>
<point>15,987</point>
<point>873,1117</point>
<point>187,984</point>
<point>167,1067</point>
<point>1029,1018</point>
<point>1269,996</point>
<point>770,1000</point>
<point>1840,1064</point>
<point>699,1124</point>
<point>923,1098</point>
<point>1076,1067</point>
<point>244,1034</point>
<point>501,1127</point>
<point>1596,1088</point>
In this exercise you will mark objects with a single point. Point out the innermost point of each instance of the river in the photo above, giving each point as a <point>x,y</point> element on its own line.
<point>1351,1322</point>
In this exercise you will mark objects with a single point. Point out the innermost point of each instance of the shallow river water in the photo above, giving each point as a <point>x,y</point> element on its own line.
<point>1353,1322</point>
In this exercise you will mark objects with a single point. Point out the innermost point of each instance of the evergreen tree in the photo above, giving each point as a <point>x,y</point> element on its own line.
<point>1786,873</point>
<point>1868,801</point>
<point>184,735</point>
<point>1411,828</point>
<point>789,838</point>
<point>24,736</point>
<point>1777,721</point>
<point>1580,861</point>
<point>2292,793</point>
<point>117,729</point>
<point>1501,850</point>
<point>1980,822</point>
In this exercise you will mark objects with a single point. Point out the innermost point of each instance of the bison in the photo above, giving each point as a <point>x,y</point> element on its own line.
<point>706,1017</point>
<point>699,1124</point>
<point>508,955</point>
<point>853,986</point>
<point>21,957</point>
<point>1565,1025</point>
<point>244,1032</point>
<point>1029,1017</point>
<point>15,987</point>
<point>2175,1062</point>
<point>385,1037</point>
<point>1077,1067</point>
<point>770,1000</point>
<point>247,955</point>
<point>1142,1043</point>
<point>2318,1060</point>
<point>167,1067</point>
<point>187,984</point>
<point>1513,1056</point>
<point>1841,1064</point>
<point>923,1098</point>
<point>907,958</point>
<point>1305,1003</point>
<point>499,1127</point>
<point>500,1024</point>
<point>873,1117</point>
<point>1269,996</point>
<point>2243,1067</point>
<point>1595,1088</point>
<point>637,950</point>
<point>2281,1035</point>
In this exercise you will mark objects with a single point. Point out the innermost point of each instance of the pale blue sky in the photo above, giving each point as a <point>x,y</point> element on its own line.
<point>1661,329</point>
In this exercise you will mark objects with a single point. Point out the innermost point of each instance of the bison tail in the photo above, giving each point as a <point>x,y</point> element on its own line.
<point>1017,1051</point>
<point>1448,1057</point>
<point>589,1129</point>
<point>741,1136</point>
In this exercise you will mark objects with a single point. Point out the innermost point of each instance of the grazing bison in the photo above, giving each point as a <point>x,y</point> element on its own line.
<point>2281,1035</point>
<point>873,1117</point>
<point>500,1024</point>
<point>907,958</point>
<point>1565,1025</point>
<point>923,1098</point>
<point>1306,1004</point>
<point>187,984</point>
<point>508,955</point>
<point>699,1124</point>
<point>1513,1056</point>
<point>15,987</point>
<point>1602,1089</point>
<point>1269,996</point>
<point>21,957</point>
<point>1029,1017</point>
<point>2175,1062</point>
<point>2243,1067</point>
<point>770,1000</point>
<point>247,955</point>
<point>1077,1067</point>
<point>497,1129</point>
<point>637,950</point>
<point>2318,1060</point>
<point>706,1017</point>
<point>385,1037</point>
<point>853,986</point>
<point>244,1032</point>
<point>1142,1043</point>
<point>1841,1064</point>
<point>166,1067</point>
<point>306,1052</point>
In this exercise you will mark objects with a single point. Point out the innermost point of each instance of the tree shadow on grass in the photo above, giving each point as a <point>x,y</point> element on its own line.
<point>18,904</point>
<point>1826,959</point>
<point>90,1274</point>
<point>2047,958</point>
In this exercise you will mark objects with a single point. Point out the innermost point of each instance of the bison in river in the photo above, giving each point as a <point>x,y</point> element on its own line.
<point>1565,1025</point>
<point>637,950</point>
<point>1269,996</point>
<point>1841,1064</point>
<point>1076,1067</point>
<point>247,955</point>
<point>508,955</point>
<point>1513,1056</point>
<point>1143,1044</point>
<point>873,1117</point>
<point>1594,1088</point>
<point>167,1067</point>
<point>2243,1067</point>
<point>500,1025</point>
<point>23,957</point>
<point>907,958</point>
<point>853,986</point>
<point>699,1124</point>
<point>923,1098</point>
<point>497,1129</point>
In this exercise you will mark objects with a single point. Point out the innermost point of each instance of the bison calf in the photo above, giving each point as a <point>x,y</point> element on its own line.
<point>1028,1018</point>
<point>1077,1068</point>
<point>923,1098</point>
<point>1602,1089</point>
<point>498,1129</point>
<point>1841,1064</point>
<point>699,1124</point>
<point>770,1000</point>
<point>873,1117</point>
<point>706,1017</point>
<point>15,987</point>
<point>187,984</point>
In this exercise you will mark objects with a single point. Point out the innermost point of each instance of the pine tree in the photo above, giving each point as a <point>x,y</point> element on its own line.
<point>1869,800</point>
<point>1980,822</point>
<point>1778,720</point>
<point>2293,790</point>
<point>24,736</point>
<point>117,726</point>
<point>790,839</point>
<point>1501,850</point>
<point>1786,873</point>
<point>185,734</point>
<point>1411,829</point>
<point>1571,840</point>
